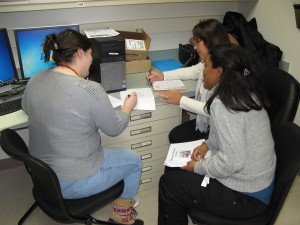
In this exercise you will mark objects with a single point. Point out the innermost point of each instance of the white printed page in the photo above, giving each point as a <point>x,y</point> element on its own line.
<point>168,85</point>
<point>114,101</point>
<point>179,154</point>
<point>133,44</point>
<point>145,96</point>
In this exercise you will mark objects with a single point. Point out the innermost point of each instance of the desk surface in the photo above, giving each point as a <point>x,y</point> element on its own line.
<point>19,119</point>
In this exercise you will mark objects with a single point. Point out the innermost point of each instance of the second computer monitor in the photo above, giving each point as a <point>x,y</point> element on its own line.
<point>8,72</point>
<point>30,51</point>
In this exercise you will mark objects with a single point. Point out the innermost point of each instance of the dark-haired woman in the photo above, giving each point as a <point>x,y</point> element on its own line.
<point>206,34</point>
<point>65,112</point>
<point>237,180</point>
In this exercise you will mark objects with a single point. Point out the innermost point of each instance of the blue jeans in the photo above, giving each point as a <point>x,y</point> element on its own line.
<point>119,164</point>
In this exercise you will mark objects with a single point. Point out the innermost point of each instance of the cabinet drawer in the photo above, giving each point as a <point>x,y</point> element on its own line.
<point>141,130</point>
<point>154,154</point>
<point>153,167</point>
<point>149,181</point>
<point>162,112</point>
<point>141,144</point>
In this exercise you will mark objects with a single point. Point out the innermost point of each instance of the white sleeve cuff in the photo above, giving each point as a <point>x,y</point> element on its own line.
<point>193,106</point>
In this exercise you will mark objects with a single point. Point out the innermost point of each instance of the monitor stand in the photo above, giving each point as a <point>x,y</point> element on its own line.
<point>5,88</point>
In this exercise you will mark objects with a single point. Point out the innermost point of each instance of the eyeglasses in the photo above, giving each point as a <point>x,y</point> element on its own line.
<point>197,41</point>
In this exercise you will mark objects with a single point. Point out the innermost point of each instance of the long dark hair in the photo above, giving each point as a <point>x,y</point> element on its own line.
<point>240,87</point>
<point>63,46</point>
<point>211,32</point>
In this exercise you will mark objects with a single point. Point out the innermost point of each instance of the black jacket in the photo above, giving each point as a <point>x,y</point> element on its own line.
<point>251,39</point>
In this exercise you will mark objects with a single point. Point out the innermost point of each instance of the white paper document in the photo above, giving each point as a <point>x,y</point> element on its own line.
<point>168,85</point>
<point>13,119</point>
<point>101,33</point>
<point>179,154</point>
<point>114,101</point>
<point>133,44</point>
<point>145,96</point>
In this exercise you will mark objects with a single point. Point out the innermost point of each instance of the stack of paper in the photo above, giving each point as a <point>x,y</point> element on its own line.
<point>168,85</point>
<point>101,33</point>
<point>179,154</point>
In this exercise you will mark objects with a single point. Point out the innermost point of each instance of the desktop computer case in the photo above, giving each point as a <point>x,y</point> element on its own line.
<point>108,66</point>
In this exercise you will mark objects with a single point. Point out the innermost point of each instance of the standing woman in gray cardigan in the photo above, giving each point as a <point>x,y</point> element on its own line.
<point>65,112</point>
<point>242,164</point>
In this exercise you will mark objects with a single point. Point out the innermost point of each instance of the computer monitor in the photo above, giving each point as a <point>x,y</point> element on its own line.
<point>8,72</point>
<point>30,51</point>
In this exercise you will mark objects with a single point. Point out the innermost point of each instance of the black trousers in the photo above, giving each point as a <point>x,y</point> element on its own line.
<point>183,133</point>
<point>181,190</point>
<point>186,132</point>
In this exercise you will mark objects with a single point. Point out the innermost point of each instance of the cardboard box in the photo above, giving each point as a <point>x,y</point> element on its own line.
<point>136,54</point>
<point>138,66</point>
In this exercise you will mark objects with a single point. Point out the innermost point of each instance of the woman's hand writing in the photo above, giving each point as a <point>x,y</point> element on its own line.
<point>154,76</point>
<point>129,103</point>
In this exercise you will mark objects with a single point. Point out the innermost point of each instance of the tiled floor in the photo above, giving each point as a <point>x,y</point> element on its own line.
<point>16,198</point>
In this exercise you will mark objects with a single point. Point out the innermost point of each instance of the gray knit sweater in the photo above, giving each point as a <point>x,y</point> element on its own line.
<point>243,156</point>
<point>64,115</point>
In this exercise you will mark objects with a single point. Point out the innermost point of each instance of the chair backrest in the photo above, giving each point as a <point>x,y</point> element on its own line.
<point>287,147</point>
<point>283,91</point>
<point>46,188</point>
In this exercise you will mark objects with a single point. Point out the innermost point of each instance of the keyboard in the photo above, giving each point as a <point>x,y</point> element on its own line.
<point>10,106</point>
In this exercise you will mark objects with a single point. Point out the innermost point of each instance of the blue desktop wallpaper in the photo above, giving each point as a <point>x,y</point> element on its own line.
<point>6,66</point>
<point>29,44</point>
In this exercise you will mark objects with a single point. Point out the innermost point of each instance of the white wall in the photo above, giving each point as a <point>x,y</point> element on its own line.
<point>168,24</point>
<point>276,22</point>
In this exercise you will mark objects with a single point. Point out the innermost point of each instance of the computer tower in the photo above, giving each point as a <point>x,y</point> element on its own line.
<point>108,66</point>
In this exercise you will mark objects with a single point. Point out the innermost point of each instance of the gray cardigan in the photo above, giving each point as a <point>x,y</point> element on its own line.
<point>243,156</point>
<point>64,115</point>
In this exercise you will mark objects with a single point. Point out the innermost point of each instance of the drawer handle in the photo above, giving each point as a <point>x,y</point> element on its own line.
<point>147,180</point>
<point>140,131</point>
<point>148,168</point>
<point>147,156</point>
<point>141,116</point>
<point>141,144</point>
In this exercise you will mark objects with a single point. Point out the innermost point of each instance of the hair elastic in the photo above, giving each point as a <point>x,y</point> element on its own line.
<point>55,46</point>
<point>246,72</point>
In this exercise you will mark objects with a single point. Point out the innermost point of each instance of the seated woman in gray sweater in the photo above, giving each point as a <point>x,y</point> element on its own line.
<point>65,112</point>
<point>237,180</point>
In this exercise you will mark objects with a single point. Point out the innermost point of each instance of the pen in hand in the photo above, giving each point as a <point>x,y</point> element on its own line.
<point>149,81</point>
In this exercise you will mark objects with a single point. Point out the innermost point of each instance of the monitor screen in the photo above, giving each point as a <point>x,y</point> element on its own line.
<point>29,45</point>
<point>8,72</point>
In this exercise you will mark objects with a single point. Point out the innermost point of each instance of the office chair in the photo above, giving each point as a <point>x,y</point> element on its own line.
<point>287,142</point>
<point>46,188</point>
<point>284,93</point>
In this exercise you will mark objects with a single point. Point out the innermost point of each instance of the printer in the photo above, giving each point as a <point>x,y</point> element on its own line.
<point>108,66</point>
